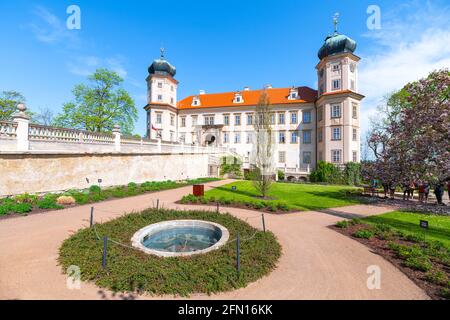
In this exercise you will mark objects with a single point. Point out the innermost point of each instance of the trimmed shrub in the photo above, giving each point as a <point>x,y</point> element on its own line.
<point>342,224</point>
<point>364,234</point>
<point>421,263</point>
<point>48,202</point>
<point>22,208</point>
<point>26,198</point>
<point>95,189</point>
<point>280,174</point>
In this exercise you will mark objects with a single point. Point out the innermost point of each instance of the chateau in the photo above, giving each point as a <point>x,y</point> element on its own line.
<point>309,125</point>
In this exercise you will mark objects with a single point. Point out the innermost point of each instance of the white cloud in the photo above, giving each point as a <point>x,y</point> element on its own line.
<point>48,28</point>
<point>407,48</point>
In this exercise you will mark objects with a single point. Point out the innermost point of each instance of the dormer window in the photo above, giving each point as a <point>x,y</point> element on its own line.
<point>238,98</point>
<point>293,94</point>
<point>195,101</point>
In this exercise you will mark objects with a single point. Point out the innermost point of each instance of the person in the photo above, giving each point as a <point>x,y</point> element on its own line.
<point>448,189</point>
<point>439,192</point>
<point>426,191</point>
<point>412,187</point>
<point>405,188</point>
<point>385,189</point>
<point>421,187</point>
<point>392,188</point>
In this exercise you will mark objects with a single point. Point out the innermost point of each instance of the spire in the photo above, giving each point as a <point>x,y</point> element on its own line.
<point>336,22</point>
<point>162,51</point>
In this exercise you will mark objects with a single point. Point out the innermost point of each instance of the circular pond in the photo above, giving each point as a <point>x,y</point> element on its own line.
<point>180,238</point>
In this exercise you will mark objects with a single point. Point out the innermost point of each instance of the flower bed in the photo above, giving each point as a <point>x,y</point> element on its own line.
<point>25,204</point>
<point>132,271</point>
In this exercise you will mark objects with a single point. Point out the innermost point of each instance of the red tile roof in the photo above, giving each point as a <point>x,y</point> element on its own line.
<point>251,98</point>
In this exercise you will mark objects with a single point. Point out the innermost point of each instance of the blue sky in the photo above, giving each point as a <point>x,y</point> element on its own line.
<point>215,45</point>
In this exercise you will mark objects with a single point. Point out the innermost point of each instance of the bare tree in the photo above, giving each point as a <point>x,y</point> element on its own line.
<point>262,157</point>
<point>45,116</point>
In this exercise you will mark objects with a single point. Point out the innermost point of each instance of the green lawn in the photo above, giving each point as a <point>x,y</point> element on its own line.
<point>408,222</point>
<point>295,196</point>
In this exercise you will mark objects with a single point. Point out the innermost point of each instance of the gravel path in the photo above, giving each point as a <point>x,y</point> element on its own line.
<point>317,262</point>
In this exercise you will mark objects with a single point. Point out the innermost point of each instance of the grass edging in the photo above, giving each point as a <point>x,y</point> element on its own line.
<point>132,271</point>
<point>426,263</point>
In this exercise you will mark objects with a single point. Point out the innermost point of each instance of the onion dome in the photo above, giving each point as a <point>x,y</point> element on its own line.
<point>335,44</point>
<point>162,66</point>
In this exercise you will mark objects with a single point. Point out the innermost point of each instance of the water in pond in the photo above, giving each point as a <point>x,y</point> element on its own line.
<point>182,239</point>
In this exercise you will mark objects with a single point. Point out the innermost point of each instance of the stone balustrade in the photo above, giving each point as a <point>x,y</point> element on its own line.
<point>23,136</point>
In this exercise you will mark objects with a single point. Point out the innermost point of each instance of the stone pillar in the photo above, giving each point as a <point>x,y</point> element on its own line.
<point>116,134</point>
<point>23,121</point>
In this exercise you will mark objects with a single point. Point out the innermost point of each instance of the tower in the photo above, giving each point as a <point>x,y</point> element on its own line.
<point>338,103</point>
<point>161,100</point>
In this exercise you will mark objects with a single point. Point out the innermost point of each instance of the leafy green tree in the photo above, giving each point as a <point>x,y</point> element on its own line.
<point>99,105</point>
<point>8,104</point>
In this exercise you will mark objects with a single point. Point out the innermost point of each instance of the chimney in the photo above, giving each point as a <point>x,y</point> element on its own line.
<point>268,86</point>
<point>202,91</point>
<point>246,88</point>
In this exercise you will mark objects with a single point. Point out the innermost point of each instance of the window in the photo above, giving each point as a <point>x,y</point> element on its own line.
<point>306,116</point>
<point>320,114</point>
<point>336,133</point>
<point>321,73</point>
<point>294,137</point>
<point>355,156</point>
<point>336,156</point>
<point>249,137</point>
<point>237,119</point>
<point>272,118</point>
<point>226,137</point>
<point>282,156</point>
<point>172,135</point>
<point>293,95</point>
<point>171,88</point>
<point>281,137</point>
<point>336,111</point>
<point>293,117</point>
<point>159,118</point>
<point>195,101</point>
<point>237,137</point>
<point>194,120</point>
<point>336,67</point>
<point>182,138</point>
<point>281,118</point>
<point>171,100</point>
<point>159,84</point>
<point>172,120</point>
<point>307,136</point>
<point>307,157</point>
<point>355,111</point>
<point>320,89</point>
<point>209,120</point>
<point>320,135</point>
<point>249,119</point>
<point>320,156</point>
<point>159,97</point>
<point>352,67</point>
<point>336,84</point>
<point>183,121</point>
<point>226,119</point>
<point>355,134</point>
<point>238,99</point>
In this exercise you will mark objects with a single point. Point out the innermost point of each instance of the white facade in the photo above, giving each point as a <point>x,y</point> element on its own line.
<point>308,125</point>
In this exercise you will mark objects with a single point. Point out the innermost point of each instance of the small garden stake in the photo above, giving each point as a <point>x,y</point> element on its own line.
<point>92,217</point>
<point>263,222</point>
